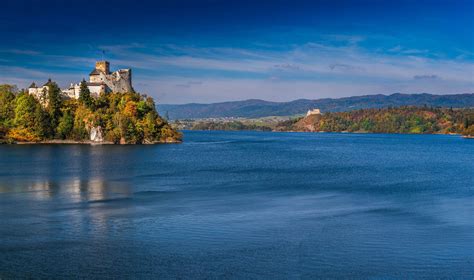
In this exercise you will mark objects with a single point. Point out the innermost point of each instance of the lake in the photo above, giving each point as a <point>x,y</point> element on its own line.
<point>241,205</point>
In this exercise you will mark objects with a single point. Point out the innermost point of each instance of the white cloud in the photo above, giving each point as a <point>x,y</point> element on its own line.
<point>181,74</point>
<point>20,51</point>
<point>426,77</point>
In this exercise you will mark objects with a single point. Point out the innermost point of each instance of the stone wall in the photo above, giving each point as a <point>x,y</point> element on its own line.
<point>40,93</point>
<point>118,81</point>
<point>96,90</point>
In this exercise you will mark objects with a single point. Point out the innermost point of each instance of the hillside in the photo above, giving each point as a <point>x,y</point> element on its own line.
<point>255,108</point>
<point>418,120</point>
<point>407,119</point>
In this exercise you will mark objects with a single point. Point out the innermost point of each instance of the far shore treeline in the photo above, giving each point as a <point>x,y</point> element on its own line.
<point>125,118</point>
<point>405,119</point>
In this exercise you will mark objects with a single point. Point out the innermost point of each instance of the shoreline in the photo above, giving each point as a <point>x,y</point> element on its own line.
<point>92,143</point>
<point>168,141</point>
<point>342,132</point>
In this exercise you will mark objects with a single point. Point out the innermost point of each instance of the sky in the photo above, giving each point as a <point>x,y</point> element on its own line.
<point>184,51</point>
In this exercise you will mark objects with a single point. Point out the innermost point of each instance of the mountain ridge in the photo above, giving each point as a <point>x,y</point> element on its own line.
<point>256,108</point>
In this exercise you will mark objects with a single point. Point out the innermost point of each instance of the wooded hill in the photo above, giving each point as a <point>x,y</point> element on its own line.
<point>255,108</point>
<point>406,119</point>
<point>126,118</point>
<point>418,120</point>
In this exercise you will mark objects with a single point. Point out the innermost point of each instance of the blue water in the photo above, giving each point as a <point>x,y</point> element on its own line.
<point>241,205</point>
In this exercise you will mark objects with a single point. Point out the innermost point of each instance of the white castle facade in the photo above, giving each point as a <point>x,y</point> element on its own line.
<point>313,112</point>
<point>101,80</point>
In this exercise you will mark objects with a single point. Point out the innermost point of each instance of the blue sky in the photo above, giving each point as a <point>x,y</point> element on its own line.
<point>209,51</point>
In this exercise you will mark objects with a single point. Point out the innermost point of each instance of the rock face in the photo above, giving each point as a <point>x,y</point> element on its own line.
<point>307,123</point>
<point>96,134</point>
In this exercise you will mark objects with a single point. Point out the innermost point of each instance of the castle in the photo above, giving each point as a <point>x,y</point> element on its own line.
<point>313,112</point>
<point>101,80</point>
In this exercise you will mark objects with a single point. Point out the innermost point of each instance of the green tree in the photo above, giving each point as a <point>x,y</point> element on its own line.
<point>25,107</point>
<point>7,105</point>
<point>85,95</point>
<point>150,126</point>
<point>8,88</point>
<point>42,126</point>
<point>143,108</point>
<point>54,103</point>
<point>103,102</point>
<point>65,126</point>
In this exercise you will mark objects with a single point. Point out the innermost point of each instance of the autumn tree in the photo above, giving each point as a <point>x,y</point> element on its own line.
<point>26,121</point>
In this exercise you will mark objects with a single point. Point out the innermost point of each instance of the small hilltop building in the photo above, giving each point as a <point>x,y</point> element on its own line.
<point>313,112</point>
<point>101,81</point>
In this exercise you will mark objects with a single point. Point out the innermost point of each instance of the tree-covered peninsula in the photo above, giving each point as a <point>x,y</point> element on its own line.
<point>406,119</point>
<point>119,118</point>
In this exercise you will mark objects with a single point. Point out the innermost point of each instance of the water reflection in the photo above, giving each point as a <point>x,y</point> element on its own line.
<point>76,207</point>
<point>73,190</point>
<point>33,163</point>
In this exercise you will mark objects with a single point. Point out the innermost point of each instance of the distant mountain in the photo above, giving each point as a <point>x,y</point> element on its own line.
<point>255,108</point>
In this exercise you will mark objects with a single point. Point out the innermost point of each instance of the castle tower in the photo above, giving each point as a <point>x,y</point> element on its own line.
<point>103,66</point>
<point>102,80</point>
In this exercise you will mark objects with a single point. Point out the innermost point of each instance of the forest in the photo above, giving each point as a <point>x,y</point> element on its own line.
<point>124,118</point>
<point>405,119</point>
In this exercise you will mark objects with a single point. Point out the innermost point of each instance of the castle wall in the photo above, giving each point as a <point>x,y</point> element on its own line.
<point>96,90</point>
<point>74,91</point>
<point>40,93</point>
<point>96,78</point>
<point>118,81</point>
<point>69,92</point>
